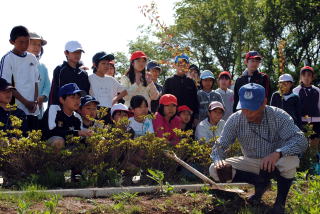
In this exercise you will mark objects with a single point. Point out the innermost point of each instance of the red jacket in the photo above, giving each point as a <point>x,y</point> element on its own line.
<point>161,126</point>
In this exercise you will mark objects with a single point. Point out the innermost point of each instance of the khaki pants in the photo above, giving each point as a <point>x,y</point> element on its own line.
<point>286,165</point>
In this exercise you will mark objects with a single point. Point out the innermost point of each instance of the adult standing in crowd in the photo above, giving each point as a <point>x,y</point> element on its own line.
<point>251,75</point>
<point>137,81</point>
<point>270,143</point>
<point>36,48</point>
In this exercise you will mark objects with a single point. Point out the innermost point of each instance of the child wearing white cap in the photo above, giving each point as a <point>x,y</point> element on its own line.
<point>206,95</point>
<point>285,99</point>
<point>214,119</point>
<point>69,72</point>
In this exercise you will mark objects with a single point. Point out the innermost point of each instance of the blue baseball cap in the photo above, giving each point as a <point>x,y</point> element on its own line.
<point>182,57</point>
<point>152,65</point>
<point>206,74</point>
<point>88,99</point>
<point>251,96</point>
<point>69,89</point>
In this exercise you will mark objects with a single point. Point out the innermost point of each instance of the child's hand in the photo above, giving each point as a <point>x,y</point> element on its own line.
<point>40,100</point>
<point>31,106</point>
<point>148,77</point>
<point>85,133</point>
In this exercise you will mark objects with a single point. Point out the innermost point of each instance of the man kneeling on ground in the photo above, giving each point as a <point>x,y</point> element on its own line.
<point>270,143</point>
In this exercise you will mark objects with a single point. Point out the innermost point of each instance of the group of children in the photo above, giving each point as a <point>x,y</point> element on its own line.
<point>186,101</point>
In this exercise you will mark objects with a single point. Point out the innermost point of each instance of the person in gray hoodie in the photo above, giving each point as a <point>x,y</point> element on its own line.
<point>224,81</point>
<point>206,95</point>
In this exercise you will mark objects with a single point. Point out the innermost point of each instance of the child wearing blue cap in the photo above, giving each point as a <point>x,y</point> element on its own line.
<point>182,86</point>
<point>88,109</point>
<point>62,120</point>
<point>206,94</point>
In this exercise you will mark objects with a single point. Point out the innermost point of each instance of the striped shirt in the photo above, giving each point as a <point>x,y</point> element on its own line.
<point>276,131</point>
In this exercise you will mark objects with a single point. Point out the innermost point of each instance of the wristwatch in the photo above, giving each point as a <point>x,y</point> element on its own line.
<point>280,152</point>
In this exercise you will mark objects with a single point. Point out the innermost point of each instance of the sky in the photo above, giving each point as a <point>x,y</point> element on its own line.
<point>99,25</point>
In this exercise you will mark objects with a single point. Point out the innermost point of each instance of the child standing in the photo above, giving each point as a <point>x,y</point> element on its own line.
<point>251,75</point>
<point>19,68</point>
<point>286,99</point>
<point>206,95</point>
<point>214,118</point>
<point>181,86</point>
<point>106,89</point>
<point>71,71</point>
<point>166,119</point>
<point>155,69</point>
<point>310,99</point>
<point>224,82</point>
<point>36,48</point>
<point>139,123</point>
<point>137,81</point>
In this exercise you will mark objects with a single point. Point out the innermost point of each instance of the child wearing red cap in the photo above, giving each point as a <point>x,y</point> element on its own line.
<point>137,81</point>
<point>224,82</point>
<point>166,119</point>
<point>251,75</point>
<point>185,114</point>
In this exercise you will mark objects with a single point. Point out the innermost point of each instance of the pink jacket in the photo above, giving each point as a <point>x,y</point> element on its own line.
<point>161,126</point>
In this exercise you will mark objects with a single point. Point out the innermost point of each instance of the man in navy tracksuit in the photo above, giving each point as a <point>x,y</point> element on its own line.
<point>251,75</point>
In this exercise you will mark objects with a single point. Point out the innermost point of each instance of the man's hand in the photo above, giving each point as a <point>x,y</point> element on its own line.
<point>269,163</point>
<point>219,164</point>
<point>85,133</point>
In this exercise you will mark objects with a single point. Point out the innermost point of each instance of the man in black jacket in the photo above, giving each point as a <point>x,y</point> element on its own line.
<point>182,86</point>
<point>251,75</point>
<point>69,72</point>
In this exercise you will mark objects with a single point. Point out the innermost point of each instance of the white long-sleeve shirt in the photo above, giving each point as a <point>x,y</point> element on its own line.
<point>150,92</point>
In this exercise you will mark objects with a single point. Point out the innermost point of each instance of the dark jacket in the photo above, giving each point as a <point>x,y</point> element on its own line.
<point>56,123</point>
<point>257,77</point>
<point>184,89</point>
<point>64,74</point>
<point>290,103</point>
<point>155,103</point>
<point>310,102</point>
<point>5,119</point>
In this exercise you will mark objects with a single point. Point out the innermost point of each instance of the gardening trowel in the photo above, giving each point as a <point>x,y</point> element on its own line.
<point>204,178</point>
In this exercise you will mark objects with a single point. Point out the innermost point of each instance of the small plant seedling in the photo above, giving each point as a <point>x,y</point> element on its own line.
<point>125,197</point>
<point>157,176</point>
